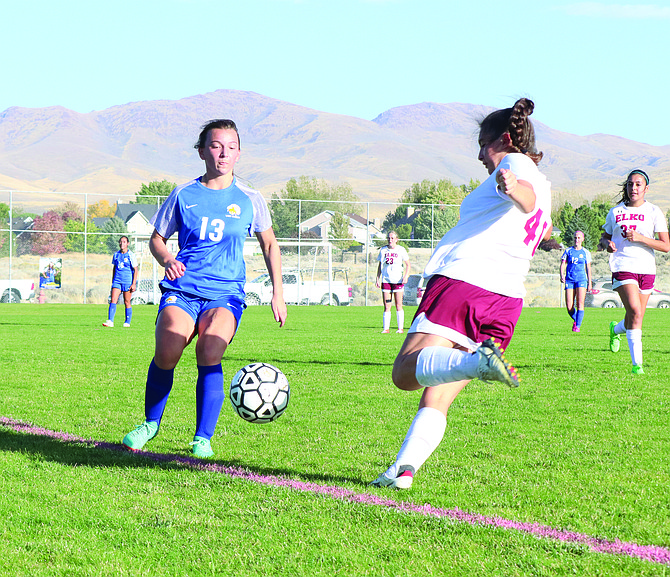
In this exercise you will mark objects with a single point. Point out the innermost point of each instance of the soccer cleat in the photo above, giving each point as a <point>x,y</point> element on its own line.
<point>202,448</point>
<point>638,370</point>
<point>576,329</point>
<point>385,332</point>
<point>109,324</point>
<point>493,366</point>
<point>615,340</point>
<point>403,480</point>
<point>137,438</point>
<point>399,332</point>
<point>126,325</point>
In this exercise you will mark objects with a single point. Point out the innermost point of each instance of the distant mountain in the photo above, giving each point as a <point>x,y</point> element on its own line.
<point>113,151</point>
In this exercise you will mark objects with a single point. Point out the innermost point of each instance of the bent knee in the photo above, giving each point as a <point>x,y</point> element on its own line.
<point>404,373</point>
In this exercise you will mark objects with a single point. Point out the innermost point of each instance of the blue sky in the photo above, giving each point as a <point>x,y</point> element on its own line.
<point>591,67</point>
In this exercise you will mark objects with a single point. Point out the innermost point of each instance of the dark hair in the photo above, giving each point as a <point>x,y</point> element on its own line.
<point>624,185</point>
<point>515,121</point>
<point>124,236</point>
<point>221,123</point>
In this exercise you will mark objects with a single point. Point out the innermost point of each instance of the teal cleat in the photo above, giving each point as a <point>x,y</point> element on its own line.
<point>202,448</point>
<point>137,438</point>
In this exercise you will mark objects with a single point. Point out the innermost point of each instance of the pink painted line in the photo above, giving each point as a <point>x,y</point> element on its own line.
<point>650,553</point>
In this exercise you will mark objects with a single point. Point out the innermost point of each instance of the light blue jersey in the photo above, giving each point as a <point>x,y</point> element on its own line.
<point>212,226</point>
<point>123,267</point>
<point>576,264</point>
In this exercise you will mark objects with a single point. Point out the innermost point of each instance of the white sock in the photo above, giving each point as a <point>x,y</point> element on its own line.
<point>423,437</point>
<point>620,328</point>
<point>634,337</point>
<point>386,317</point>
<point>400,316</point>
<point>439,365</point>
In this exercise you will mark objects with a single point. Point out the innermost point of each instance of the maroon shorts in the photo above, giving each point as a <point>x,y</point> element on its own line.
<point>467,314</point>
<point>645,282</point>
<point>393,287</point>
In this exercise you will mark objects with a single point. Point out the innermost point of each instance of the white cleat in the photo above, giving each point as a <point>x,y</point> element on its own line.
<point>126,325</point>
<point>493,366</point>
<point>109,324</point>
<point>403,480</point>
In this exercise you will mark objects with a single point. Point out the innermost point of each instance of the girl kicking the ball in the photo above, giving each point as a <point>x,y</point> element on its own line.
<point>476,291</point>
<point>203,288</point>
<point>631,229</point>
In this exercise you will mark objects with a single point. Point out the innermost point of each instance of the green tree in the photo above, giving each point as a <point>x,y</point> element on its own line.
<point>4,214</point>
<point>115,228</point>
<point>339,230</point>
<point>148,193</point>
<point>315,195</point>
<point>588,219</point>
<point>442,192</point>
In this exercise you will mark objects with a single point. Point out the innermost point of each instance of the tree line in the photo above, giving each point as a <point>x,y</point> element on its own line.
<point>425,212</point>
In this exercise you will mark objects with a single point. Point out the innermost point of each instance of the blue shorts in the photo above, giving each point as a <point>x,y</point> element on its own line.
<point>124,287</point>
<point>196,306</point>
<point>573,284</point>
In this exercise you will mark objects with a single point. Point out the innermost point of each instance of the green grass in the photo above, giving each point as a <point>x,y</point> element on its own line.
<point>582,445</point>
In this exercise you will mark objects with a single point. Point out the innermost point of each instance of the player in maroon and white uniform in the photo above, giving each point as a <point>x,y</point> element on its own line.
<point>392,274</point>
<point>477,286</point>
<point>631,229</point>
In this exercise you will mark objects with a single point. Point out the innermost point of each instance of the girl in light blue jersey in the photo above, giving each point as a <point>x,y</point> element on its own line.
<point>575,272</point>
<point>124,279</point>
<point>203,288</point>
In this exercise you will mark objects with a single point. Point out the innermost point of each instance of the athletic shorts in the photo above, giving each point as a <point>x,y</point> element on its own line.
<point>645,282</point>
<point>196,306</point>
<point>125,287</point>
<point>573,284</point>
<point>466,314</point>
<point>393,287</point>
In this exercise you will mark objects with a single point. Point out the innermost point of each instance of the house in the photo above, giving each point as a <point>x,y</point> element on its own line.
<point>137,217</point>
<point>359,228</point>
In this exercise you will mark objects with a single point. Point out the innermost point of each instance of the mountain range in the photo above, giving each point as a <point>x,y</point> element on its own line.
<point>111,152</point>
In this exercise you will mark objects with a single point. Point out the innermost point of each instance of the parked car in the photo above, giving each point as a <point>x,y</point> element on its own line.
<point>603,296</point>
<point>15,291</point>
<point>301,288</point>
<point>414,289</point>
<point>147,293</point>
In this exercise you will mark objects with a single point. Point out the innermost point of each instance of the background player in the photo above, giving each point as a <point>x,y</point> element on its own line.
<point>124,279</point>
<point>476,292</point>
<point>391,277</point>
<point>203,288</point>
<point>630,229</point>
<point>575,272</point>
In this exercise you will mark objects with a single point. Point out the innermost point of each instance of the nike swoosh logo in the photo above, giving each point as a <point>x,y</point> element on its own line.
<point>190,205</point>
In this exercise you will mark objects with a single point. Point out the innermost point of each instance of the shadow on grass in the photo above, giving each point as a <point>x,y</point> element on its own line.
<point>75,452</point>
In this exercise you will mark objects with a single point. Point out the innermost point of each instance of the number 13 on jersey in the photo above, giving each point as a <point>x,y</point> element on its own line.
<point>215,235</point>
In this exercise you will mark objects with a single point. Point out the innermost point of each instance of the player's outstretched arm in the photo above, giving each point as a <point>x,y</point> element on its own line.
<point>272,256</point>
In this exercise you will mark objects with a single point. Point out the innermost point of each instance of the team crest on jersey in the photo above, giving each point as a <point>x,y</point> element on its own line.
<point>234,210</point>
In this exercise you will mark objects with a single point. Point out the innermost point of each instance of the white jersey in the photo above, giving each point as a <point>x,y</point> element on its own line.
<point>391,260</point>
<point>494,240</point>
<point>634,257</point>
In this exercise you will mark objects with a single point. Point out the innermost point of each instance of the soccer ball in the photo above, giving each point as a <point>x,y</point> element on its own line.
<point>259,393</point>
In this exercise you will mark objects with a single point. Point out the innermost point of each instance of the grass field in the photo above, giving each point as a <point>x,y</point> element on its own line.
<point>582,446</point>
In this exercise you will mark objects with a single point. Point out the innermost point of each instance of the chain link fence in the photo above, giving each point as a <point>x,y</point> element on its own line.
<point>329,248</point>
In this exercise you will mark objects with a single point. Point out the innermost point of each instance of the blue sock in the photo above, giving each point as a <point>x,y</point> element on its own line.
<point>129,314</point>
<point>208,399</point>
<point>112,311</point>
<point>580,318</point>
<point>159,385</point>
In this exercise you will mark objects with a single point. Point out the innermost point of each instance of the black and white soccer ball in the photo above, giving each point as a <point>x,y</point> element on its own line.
<point>259,393</point>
